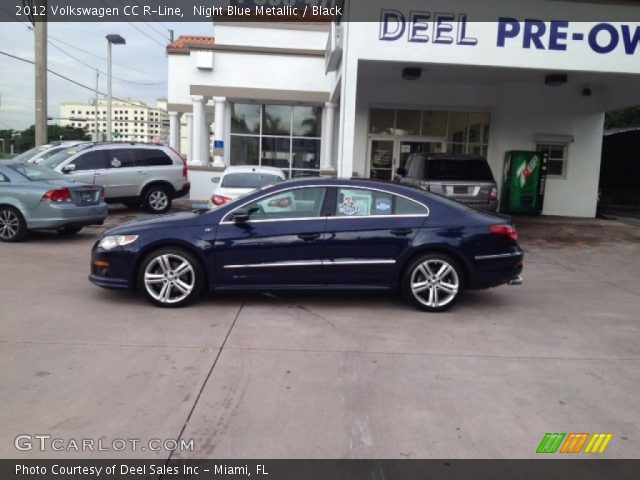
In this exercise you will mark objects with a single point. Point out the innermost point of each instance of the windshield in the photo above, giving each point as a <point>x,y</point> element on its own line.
<point>36,172</point>
<point>471,170</point>
<point>54,160</point>
<point>249,180</point>
<point>24,156</point>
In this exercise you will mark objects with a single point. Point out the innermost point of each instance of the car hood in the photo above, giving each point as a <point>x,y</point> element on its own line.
<point>174,220</point>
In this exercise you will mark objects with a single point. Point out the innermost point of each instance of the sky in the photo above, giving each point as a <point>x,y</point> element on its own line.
<point>143,51</point>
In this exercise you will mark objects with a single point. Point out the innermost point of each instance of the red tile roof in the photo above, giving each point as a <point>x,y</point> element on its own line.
<point>186,42</point>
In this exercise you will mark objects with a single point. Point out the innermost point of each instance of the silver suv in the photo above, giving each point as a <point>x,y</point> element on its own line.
<point>131,173</point>
<point>464,178</point>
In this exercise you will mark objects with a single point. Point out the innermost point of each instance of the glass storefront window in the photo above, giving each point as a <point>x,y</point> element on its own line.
<point>408,122</point>
<point>479,128</point>
<point>434,124</point>
<point>276,120</point>
<point>306,154</point>
<point>244,150</point>
<point>282,136</point>
<point>307,121</point>
<point>245,118</point>
<point>382,121</point>
<point>458,127</point>
<point>276,152</point>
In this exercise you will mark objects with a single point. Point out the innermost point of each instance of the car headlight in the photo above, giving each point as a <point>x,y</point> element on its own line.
<point>112,241</point>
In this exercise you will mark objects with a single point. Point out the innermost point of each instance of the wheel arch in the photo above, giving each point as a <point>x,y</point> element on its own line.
<point>437,248</point>
<point>170,243</point>
<point>158,183</point>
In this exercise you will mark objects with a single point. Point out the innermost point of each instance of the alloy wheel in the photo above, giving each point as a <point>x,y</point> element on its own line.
<point>435,283</point>
<point>158,200</point>
<point>9,224</point>
<point>169,278</point>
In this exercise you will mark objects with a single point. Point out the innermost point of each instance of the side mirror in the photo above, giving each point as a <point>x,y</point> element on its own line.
<point>69,168</point>
<point>240,216</point>
<point>401,171</point>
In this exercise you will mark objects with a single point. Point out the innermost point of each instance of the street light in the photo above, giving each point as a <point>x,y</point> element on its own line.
<point>114,39</point>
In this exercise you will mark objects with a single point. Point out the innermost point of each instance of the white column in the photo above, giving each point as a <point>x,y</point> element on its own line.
<point>199,136</point>
<point>174,130</point>
<point>220,105</point>
<point>327,167</point>
<point>189,136</point>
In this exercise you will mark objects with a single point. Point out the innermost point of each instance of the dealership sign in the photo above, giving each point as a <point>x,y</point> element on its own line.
<point>455,29</point>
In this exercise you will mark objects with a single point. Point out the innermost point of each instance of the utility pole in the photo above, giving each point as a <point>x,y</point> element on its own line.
<point>95,105</point>
<point>40,28</point>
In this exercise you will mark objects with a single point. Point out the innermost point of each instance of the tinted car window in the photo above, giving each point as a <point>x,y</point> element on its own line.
<point>249,180</point>
<point>474,170</point>
<point>362,203</point>
<point>123,158</point>
<point>153,157</point>
<point>54,160</point>
<point>93,160</point>
<point>300,203</point>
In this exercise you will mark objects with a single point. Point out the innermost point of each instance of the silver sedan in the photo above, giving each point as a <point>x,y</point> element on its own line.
<point>37,198</point>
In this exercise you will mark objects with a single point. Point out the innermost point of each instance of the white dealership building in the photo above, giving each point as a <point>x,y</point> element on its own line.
<point>356,98</point>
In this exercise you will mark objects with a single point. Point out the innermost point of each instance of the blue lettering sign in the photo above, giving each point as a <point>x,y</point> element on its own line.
<point>392,25</point>
<point>507,28</point>
<point>419,27</point>
<point>613,39</point>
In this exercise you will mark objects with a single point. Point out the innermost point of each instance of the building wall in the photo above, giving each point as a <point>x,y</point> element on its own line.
<point>135,121</point>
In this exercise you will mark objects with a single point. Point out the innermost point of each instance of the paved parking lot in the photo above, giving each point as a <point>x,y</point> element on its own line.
<point>328,375</point>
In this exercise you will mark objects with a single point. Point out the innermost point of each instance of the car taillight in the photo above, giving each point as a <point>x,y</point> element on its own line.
<point>508,231</point>
<point>61,195</point>
<point>493,197</point>
<point>185,168</point>
<point>219,200</point>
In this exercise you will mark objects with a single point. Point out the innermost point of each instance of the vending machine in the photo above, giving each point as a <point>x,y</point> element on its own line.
<point>523,186</point>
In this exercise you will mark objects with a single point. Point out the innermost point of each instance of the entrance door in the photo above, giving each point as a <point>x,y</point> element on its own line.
<point>387,155</point>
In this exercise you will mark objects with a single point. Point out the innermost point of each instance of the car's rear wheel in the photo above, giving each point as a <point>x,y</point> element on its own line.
<point>157,199</point>
<point>171,277</point>
<point>13,228</point>
<point>433,282</point>
<point>69,230</point>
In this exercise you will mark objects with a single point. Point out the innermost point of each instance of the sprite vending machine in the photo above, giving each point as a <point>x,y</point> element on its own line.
<point>525,175</point>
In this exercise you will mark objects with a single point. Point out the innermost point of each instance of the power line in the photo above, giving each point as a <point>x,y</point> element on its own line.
<point>101,58</point>
<point>134,26</point>
<point>92,67</point>
<point>11,15</point>
<point>92,89</point>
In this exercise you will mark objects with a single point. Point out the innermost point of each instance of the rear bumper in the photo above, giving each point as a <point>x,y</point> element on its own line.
<point>46,216</point>
<point>494,270</point>
<point>184,191</point>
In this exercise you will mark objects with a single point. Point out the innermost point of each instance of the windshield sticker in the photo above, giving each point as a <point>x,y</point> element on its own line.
<point>383,206</point>
<point>348,207</point>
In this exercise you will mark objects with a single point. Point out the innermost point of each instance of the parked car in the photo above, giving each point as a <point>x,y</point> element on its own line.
<point>238,181</point>
<point>338,234</point>
<point>35,198</point>
<point>43,151</point>
<point>52,150</point>
<point>131,173</point>
<point>464,178</point>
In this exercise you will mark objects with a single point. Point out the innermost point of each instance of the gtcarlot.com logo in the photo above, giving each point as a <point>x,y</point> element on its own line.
<point>574,443</point>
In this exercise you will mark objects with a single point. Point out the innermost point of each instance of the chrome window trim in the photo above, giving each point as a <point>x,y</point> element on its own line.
<point>501,255</point>
<point>314,263</point>
<point>355,187</point>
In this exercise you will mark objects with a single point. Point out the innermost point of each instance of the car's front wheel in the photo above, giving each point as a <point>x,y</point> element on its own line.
<point>171,277</point>
<point>433,282</point>
<point>157,199</point>
<point>13,228</point>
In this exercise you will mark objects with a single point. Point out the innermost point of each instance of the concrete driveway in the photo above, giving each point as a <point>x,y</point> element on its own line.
<point>326,375</point>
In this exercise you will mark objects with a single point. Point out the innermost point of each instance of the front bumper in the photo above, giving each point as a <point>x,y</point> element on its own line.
<point>109,283</point>
<point>112,269</point>
<point>57,215</point>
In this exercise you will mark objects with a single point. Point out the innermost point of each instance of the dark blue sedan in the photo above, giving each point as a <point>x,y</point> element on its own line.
<point>314,234</point>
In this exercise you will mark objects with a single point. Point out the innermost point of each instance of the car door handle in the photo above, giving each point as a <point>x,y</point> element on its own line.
<point>141,172</point>
<point>309,237</point>
<point>401,232</point>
